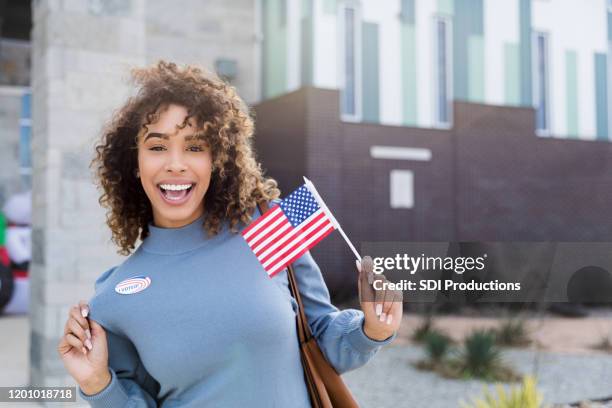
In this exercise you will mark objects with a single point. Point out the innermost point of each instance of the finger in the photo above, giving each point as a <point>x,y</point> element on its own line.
<point>367,266</point>
<point>389,295</point>
<point>98,331</point>
<point>399,296</point>
<point>84,308</point>
<point>398,306</point>
<point>78,331</point>
<point>63,346</point>
<point>366,291</point>
<point>379,295</point>
<point>359,282</point>
<point>386,305</point>
<point>76,343</point>
<point>75,313</point>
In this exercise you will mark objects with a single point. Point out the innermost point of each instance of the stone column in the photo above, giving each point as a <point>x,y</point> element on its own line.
<point>81,52</point>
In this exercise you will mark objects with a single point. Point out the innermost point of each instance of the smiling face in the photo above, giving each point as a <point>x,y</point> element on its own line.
<point>175,168</point>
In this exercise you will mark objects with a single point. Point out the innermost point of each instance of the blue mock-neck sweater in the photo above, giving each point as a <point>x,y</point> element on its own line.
<point>212,329</point>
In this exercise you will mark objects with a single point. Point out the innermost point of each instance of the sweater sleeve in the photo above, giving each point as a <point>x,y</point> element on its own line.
<point>131,385</point>
<point>339,334</point>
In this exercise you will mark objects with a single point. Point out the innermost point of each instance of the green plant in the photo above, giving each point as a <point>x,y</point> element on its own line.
<point>478,358</point>
<point>605,344</point>
<point>512,332</point>
<point>524,396</point>
<point>480,355</point>
<point>437,345</point>
<point>423,329</point>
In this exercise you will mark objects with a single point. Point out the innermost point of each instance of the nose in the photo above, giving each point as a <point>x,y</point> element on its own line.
<point>176,162</point>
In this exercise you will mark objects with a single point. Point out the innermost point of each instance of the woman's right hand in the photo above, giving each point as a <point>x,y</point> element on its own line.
<point>84,350</point>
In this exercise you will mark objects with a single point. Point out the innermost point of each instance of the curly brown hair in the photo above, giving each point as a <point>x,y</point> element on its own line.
<point>237,183</point>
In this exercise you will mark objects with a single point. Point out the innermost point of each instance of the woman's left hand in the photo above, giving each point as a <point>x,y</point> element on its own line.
<point>382,308</point>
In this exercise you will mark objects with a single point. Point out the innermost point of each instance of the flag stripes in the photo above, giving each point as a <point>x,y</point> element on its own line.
<point>276,242</point>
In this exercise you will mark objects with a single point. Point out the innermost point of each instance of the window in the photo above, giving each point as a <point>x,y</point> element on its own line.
<point>407,11</point>
<point>609,80</point>
<point>401,182</point>
<point>442,72</point>
<point>282,18</point>
<point>540,83</point>
<point>402,189</point>
<point>350,78</point>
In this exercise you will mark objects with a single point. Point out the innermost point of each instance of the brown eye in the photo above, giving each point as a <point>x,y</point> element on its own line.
<point>157,148</point>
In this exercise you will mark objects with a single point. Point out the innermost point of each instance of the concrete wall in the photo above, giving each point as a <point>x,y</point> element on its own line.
<point>200,32</point>
<point>81,52</point>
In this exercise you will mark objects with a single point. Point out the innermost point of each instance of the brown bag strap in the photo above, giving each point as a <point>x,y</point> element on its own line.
<point>302,320</point>
<point>304,332</point>
<point>325,387</point>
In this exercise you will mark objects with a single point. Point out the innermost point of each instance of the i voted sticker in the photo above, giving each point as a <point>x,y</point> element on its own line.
<point>133,285</point>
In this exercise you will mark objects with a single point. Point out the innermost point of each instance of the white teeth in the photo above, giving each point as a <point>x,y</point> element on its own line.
<point>175,187</point>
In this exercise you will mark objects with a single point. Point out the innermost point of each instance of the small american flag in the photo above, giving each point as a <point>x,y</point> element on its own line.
<point>287,230</point>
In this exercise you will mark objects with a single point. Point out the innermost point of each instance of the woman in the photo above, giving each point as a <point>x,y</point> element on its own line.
<point>190,318</point>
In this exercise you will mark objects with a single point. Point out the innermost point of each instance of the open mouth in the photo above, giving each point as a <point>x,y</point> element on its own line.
<point>175,193</point>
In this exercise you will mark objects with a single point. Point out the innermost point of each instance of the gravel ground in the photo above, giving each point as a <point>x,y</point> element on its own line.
<point>389,380</point>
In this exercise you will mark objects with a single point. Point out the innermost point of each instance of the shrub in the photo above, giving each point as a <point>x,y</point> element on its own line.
<point>423,329</point>
<point>512,332</point>
<point>480,355</point>
<point>437,345</point>
<point>479,358</point>
<point>605,344</point>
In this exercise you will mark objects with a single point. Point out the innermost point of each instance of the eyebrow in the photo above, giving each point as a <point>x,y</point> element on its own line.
<point>166,137</point>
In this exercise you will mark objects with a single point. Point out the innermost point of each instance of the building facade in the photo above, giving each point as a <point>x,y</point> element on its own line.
<point>443,120</point>
<point>403,62</point>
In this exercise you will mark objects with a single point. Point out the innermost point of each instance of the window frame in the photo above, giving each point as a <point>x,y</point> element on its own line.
<point>537,81</point>
<point>356,116</point>
<point>449,71</point>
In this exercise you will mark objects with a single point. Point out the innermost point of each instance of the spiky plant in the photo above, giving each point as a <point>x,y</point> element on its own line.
<point>423,329</point>
<point>512,332</point>
<point>480,355</point>
<point>605,344</point>
<point>525,396</point>
<point>437,345</point>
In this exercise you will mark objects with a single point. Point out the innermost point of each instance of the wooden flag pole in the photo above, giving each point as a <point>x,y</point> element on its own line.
<point>317,197</point>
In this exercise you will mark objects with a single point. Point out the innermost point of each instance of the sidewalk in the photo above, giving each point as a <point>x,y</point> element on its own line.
<point>569,370</point>
<point>15,359</point>
<point>14,350</point>
<point>15,355</point>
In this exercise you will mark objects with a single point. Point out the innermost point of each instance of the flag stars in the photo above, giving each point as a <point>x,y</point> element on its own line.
<point>299,205</point>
